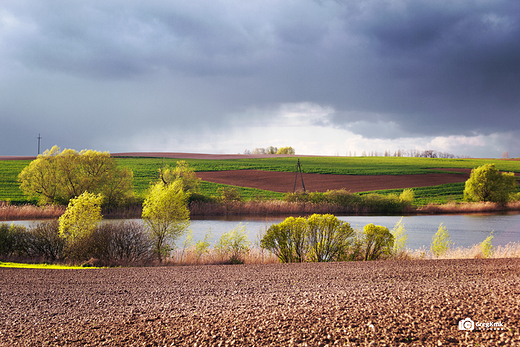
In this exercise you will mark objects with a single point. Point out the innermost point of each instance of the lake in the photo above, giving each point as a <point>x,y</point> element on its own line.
<point>465,230</point>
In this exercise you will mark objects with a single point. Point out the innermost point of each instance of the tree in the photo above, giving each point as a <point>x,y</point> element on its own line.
<point>57,177</point>
<point>81,217</point>
<point>486,183</point>
<point>166,214</point>
<point>182,173</point>
<point>286,150</point>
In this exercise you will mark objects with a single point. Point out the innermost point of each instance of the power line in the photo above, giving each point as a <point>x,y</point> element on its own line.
<point>39,138</point>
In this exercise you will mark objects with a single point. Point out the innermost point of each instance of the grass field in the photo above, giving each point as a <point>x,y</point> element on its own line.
<point>145,171</point>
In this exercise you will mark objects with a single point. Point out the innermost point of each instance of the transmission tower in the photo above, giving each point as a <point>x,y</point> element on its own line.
<point>298,169</point>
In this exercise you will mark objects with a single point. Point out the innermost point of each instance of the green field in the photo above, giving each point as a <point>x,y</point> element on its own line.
<point>145,171</point>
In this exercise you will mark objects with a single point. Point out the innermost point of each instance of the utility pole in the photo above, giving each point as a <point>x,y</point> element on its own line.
<point>298,168</point>
<point>39,138</point>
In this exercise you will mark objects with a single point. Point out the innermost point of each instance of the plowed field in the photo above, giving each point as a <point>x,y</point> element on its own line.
<point>284,182</point>
<point>356,303</point>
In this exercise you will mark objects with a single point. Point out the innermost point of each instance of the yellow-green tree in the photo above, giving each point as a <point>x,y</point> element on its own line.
<point>81,217</point>
<point>57,177</point>
<point>286,150</point>
<point>487,183</point>
<point>182,173</point>
<point>166,214</point>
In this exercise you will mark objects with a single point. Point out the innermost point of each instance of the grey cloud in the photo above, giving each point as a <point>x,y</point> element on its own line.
<point>428,68</point>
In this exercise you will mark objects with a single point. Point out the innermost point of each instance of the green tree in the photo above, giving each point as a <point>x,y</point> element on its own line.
<point>57,177</point>
<point>377,241</point>
<point>166,215</point>
<point>81,217</point>
<point>486,183</point>
<point>441,241</point>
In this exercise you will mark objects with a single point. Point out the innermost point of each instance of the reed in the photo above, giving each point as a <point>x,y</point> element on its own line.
<point>29,212</point>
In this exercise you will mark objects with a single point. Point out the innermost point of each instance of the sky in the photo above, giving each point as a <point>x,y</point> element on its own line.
<point>211,76</point>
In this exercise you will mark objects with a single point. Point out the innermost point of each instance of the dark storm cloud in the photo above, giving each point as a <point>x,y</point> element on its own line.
<point>387,68</point>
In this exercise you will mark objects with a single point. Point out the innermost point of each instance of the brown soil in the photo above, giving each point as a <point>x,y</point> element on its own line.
<point>391,303</point>
<point>283,182</point>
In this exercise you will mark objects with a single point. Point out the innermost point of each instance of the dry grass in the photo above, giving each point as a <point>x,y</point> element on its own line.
<point>468,207</point>
<point>260,256</point>
<point>511,250</point>
<point>212,257</point>
<point>28,212</point>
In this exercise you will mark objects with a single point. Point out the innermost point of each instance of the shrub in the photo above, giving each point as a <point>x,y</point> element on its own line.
<point>287,240</point>
<point>202,246</point>
<point>343,197</point>
<point>377,241</point>
<point>400,238</point>
<point>14,240</point>
<point>318,238</point>
<point>328,238</point>
<point>441,241</point>
<point>233,245</point>
<point>487,247</point>
<point>229,194</point>
<point>407,196</point>
<point>46,241</point>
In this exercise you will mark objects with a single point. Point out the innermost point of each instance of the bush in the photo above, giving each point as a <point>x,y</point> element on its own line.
<point>287,240</point>
<point>122,242</point>
<point>328,238</point>
<point>377,241</point>
<point>233,245</point>
<point>343,197</point>
<point>14,240</point>
<point>46,241</point>
<point>318,238</point>
<point>487,247</point>
<point>400,237</point>
<point>441,241</point>
<point>229,194</point>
